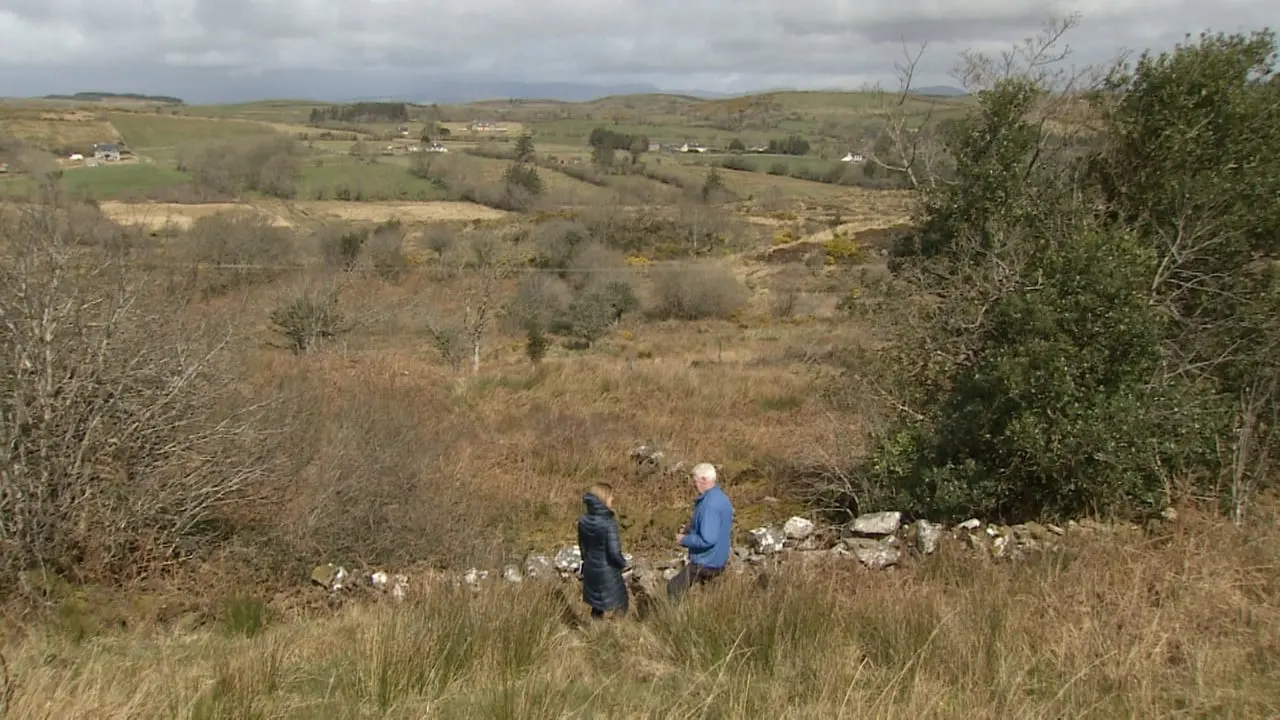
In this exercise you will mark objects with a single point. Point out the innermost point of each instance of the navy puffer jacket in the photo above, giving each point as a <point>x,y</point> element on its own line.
<point>603,587</point>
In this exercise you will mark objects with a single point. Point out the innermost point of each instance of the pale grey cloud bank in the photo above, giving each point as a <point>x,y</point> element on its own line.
<point>205,50</point>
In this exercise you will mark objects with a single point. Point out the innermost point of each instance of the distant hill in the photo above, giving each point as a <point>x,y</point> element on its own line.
<point>450,93</point>
<point>940,91</point>
<point>105,96</point>
<point>456,92</point>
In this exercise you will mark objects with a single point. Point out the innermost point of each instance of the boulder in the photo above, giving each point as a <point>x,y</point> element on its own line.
<point>330,576</point>
<point>767,540</point>
<point>379,580</point>
<point>970,524</point>
<point>874,554</point>
<point>399,587</point>
<point>1038,532</point>
<point>798,528</point>
<point>1000,546</point>
<point>474,576</point>
<point>928,535</point>
<point>569,559</point>
<point>878,523</point>
<point>511,574</point>
<point>647,455</point>
<point>539,567</point>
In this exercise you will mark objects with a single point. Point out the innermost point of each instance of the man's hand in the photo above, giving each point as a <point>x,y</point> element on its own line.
<point>679,538</point>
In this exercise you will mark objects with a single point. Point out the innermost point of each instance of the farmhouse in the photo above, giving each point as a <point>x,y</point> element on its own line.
<point>479,126</point>
<point>853,157</point>
<point>106,152</point>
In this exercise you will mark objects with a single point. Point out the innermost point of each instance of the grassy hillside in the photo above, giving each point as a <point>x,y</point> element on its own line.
<point>149,130</point>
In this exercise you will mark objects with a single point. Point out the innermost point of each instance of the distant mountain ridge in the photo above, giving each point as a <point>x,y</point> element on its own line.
<point>100,96</point>
<point>456,92</point>
<point>450,93</point>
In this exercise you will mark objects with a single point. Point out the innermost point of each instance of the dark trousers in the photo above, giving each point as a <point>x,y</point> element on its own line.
<point>683,580</point>
<point>597,614</point>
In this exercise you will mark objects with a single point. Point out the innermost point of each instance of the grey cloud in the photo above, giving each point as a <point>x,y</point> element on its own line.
<point>247,47</point>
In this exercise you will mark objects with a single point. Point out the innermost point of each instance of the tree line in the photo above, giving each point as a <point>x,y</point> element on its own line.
<point>361,112</point>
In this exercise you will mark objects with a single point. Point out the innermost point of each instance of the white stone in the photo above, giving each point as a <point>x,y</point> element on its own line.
<point>970,524</point>
<point>340,578</point>
<point>928,535</point>
<point>767,540</point>
<point>645,455</point>
<point>875,555</point>
<point>538,567</point>
<point>879,523</point>
<point>1000,545</point>
<point>569,559</point>
<point>378,579</point>
<point>511,574</point>
<point>474,576</point>
<point>798,528</point>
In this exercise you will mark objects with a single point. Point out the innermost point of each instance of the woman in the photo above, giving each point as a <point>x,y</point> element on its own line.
<point>603,587</point>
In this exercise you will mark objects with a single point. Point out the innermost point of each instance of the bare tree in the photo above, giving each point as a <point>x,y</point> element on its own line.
<point>483,268</point>
<point>905,145</point>
<point>911,140</point>
<point>121,436</point>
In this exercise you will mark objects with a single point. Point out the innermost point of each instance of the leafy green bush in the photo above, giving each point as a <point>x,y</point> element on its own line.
<point>1099,314</point>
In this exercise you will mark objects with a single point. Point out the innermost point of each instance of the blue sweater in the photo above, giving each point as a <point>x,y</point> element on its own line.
<point>708,539</point>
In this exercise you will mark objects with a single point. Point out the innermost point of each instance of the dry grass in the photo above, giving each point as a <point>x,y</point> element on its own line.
<point>159,216</point>
<point>395,461</point>
<point>156,215</point>
<point>49,129</point>
<point>432,211</point>
<point>1181,625</point>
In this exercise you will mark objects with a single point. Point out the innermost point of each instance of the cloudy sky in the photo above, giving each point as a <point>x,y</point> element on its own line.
<point>210,50</point>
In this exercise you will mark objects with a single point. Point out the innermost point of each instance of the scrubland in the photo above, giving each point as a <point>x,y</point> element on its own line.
<point>254,352</point>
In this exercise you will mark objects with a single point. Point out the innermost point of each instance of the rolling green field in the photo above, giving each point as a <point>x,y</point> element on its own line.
<point>832,122</point>
<point>343,178</point>
<point>107,182</point>
<point>281,111</point>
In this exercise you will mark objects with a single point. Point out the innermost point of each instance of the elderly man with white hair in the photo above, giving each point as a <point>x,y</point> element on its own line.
<point>707,536</point>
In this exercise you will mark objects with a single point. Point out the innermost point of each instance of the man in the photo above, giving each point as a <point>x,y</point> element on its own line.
<point>707,536</point>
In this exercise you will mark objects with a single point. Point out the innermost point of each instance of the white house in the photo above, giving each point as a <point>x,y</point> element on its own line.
<point>106,152</point>
<point>853,158</point>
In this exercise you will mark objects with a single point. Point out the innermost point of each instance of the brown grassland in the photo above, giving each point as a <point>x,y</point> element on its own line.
<point>212,386</point>
<point>394,460</point>
<point>1182,625</point>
